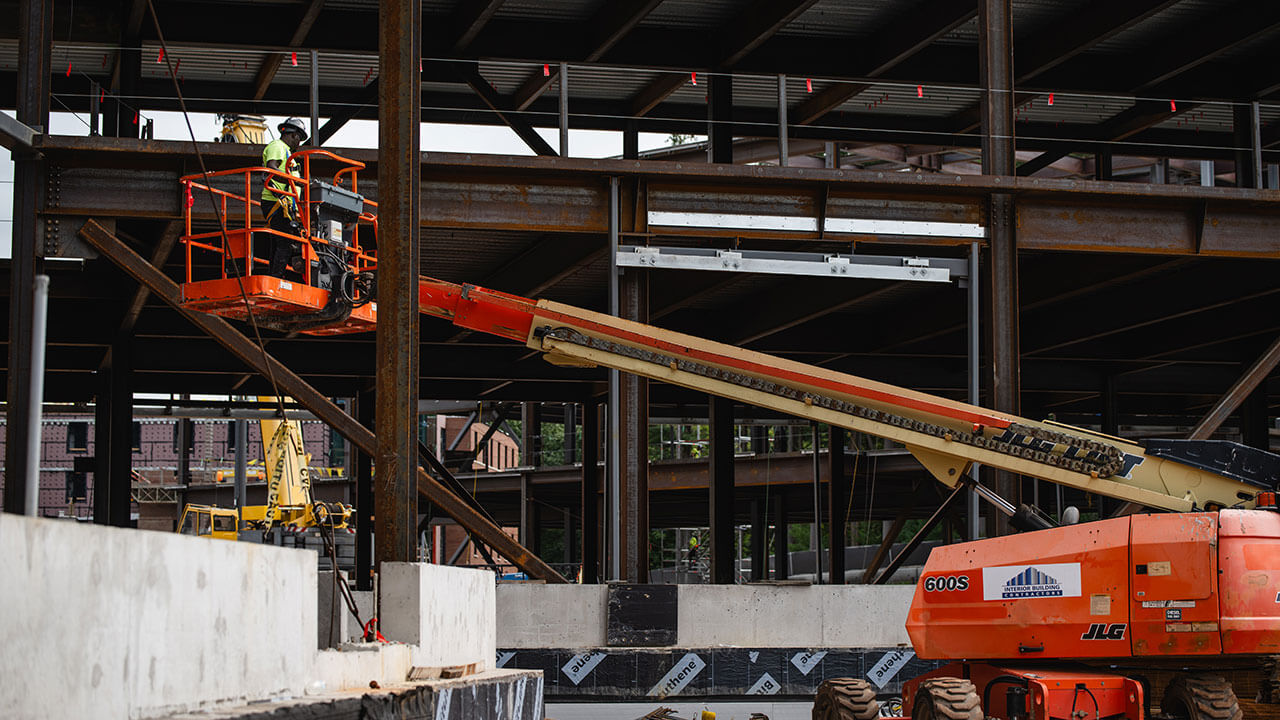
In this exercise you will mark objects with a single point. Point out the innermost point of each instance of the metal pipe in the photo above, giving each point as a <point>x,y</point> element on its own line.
<point>975,350</point>
<point>783,153</point>
<point>1255,126</point>
<point>614,521</point>
<point>315,98</point>
<point>564,109</point>
<point>39,318</point>
<point>95,110</point>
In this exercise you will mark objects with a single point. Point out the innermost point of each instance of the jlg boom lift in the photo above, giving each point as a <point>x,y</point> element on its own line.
<point>1064,623</point>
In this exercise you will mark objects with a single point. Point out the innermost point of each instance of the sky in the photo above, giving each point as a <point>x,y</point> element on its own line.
<point>498,140</point>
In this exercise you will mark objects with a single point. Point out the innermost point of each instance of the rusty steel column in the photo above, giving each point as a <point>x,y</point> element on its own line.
<point>365,405</point>
<point>531,430</point>
<point>720,482</point>
<point>35,22</point>
<point>395,500</point>
<point>995,38</point>
<point>720,118</point>
<point>633,441</point>
<point>102,445</point>
<point>781,539</point>
<point>839,488</point>
<point>590,492</point>
<point>120,469</point>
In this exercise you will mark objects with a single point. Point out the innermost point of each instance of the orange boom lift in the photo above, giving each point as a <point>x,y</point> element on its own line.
<point>1058,623</point>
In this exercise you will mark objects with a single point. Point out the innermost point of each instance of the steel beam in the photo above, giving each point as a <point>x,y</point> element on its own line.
<point>14,135</point>
<point>1242,389</point>
<point>35,20</point>
<point>399,130</point>
<point>309,398</point>
<point>721,485</point>
<point>609,25</point>
<point>569,195</point>
<point>506,112</point>
<point>267,71</point>
<point>468,19</point>
<point>938,515</point>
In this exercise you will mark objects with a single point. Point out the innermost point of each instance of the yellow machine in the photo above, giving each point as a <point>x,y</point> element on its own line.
<point>289,502</point>
<point>209,521</point>
<point>249,129</point>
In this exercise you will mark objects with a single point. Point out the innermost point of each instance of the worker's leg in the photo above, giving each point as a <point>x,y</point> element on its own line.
<point>277,251</point>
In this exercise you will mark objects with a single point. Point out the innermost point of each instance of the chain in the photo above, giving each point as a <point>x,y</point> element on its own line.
<point>1081,455</point>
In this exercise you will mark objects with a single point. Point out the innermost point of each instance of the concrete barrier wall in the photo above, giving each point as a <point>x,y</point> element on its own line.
<point>533,615</point>
<point>815,616</point>
<point>108,622</point>
<point>447,613</point>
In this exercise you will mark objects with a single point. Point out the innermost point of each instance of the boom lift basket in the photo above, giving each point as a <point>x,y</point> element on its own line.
<point>330,213</point>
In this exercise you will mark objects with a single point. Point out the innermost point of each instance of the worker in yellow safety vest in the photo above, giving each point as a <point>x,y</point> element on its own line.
<point>280,210</point>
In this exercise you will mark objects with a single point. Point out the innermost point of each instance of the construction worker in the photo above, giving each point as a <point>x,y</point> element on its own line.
<point>280,210</point>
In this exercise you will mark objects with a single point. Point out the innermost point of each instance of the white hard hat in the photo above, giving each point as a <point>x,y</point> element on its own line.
<point>295,125</point>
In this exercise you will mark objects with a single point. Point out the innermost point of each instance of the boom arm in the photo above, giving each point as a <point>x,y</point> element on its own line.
<point>944,435</point>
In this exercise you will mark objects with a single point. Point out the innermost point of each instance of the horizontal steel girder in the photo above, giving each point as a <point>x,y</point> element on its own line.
<point>118,178</point>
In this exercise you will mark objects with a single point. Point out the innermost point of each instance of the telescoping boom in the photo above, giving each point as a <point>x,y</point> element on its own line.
<point>944,435</point>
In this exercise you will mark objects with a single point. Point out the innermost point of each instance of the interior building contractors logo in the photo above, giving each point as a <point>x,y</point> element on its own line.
<point>1015,582</point>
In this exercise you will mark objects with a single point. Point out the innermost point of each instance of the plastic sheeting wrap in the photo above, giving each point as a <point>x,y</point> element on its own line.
<point>628,674</point>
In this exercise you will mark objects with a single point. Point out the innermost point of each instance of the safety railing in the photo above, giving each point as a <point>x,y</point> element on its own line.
<point>241,221</point>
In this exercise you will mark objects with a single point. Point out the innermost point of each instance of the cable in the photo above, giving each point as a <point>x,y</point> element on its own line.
<point>222,222</point>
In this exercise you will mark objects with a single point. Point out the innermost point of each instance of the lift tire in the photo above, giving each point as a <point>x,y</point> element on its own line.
<point>947,699</point>
<point>845,699</point>
<point>1200,697</point>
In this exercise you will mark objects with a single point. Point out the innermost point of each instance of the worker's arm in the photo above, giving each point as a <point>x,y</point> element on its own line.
<point>273,164</point>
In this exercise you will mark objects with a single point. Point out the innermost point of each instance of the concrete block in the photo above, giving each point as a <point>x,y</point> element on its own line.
<point>355,665</point>
<point>748,616</point>
<point>793,615</point>
<point>111,622</point>
<point>864,615</point>
<point>334,620</point>
<point>533,615</point>
<point>447,613</point>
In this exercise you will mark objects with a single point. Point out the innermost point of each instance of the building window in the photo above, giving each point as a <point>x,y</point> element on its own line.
<point>231,437</point>
<point>183,424</point>
<point>77,487</point>
<point>137,436</point>
<point>78,437</point>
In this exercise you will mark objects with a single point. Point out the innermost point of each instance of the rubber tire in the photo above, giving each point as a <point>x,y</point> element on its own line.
<point>1200,697</point>
<point>947,699</point>
<point>845,699</point>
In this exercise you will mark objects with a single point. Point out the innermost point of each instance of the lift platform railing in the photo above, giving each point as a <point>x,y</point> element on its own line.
<point>242,222</point>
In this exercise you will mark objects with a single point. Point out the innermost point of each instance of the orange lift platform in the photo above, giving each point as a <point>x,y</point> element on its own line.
<point>330,288</point>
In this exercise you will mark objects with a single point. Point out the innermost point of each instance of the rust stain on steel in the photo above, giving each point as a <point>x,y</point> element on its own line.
<point>307,396</point>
